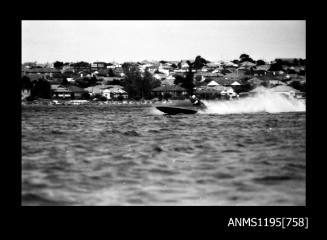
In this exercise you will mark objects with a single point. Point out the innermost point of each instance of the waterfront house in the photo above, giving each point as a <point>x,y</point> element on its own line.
<point>76,92</point>
<point>60,91</point>
<point>228,92</point>
<point>174,90</point>
<point>206,92</point>
<point>97,89</point>
<point>168,81</point>
<point>255,81</point>
<point>215,91</point>
<point>285,90</point>
<point>114,92</point>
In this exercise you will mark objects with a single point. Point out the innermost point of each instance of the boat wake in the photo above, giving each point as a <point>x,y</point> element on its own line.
<point>265,101</point>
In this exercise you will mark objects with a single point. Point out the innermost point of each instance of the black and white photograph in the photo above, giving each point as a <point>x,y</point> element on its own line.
<point>163,112</point>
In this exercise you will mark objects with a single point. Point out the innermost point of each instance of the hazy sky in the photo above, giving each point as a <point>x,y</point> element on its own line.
<point>48,41</point>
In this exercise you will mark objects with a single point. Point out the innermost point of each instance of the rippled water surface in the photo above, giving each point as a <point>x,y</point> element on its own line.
<point>124,155</point>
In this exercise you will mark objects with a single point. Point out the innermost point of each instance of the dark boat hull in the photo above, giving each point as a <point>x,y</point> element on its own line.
<point>175,110</point>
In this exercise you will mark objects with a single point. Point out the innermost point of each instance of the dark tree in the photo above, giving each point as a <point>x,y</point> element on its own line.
<point>82,83</point>
<point>199,62</point>
<point>115,82</point>
<point>58,65</point>
<point>187,81</point>
<point>132,80</point>
<point>64,82</point>
<point>148,83</point>
<point>297,85</point>
<point>120,98</point>
<point>26,83</point>
<point>81,65</point>
<point>276,66</point>
<point>166,96</point>
<point>86,96</point>
<point>243,55</point>
<point>92,81</point>
<point>41,89</point>
<point>111,73</point>
<point>174,65</point>
<point>136,85</point>
<point>246,58</point>
<point>260,62</point>
<point>179,79</point>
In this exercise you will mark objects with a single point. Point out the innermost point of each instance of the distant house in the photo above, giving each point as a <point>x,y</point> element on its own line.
<point>81,66</point>
<point>67,68</point>
<point>229,91</point>
<point>216,91</point>
<point>225,81</point>
<point>247,65</point>
<point>71,80</point>
<point>184,64</point>
<point>174,90</point>
<point>34,77</point>
<point>42,72</point>
<point>212,84</point>
<point>164,70</point>
<point>168,81</point>
<point>110,79</point>
<point>213,65</point>
<point>76,92</point>
<point>261,70</point>
<point>160,76</point>
<point>236,75</point>
<point>255,81</point>
<point>114,92</point>
<point>118,71</point>
<point>59,91</point>
<point>98,89</point>
<point>285,90</point>
<point>275,83</point>
<point>108,91</point>
<point>289,61</point>
<point>98,65</point>
<point>209,92</point>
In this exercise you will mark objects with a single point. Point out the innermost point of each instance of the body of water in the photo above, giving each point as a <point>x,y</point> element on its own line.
<point>135,155</point>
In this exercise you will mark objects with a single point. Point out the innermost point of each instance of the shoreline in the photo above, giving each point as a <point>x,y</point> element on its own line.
<point>50,102</point>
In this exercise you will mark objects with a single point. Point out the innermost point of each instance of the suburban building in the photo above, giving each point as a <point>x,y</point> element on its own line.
<point>98,65</point>
<point>66,92</point>
<point>174,90</point>
<point>285,90</point>
<point>113,92</point>
<point>59,91</point>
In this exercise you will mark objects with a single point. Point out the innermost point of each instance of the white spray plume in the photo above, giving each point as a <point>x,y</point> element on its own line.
<point>264,101</point>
